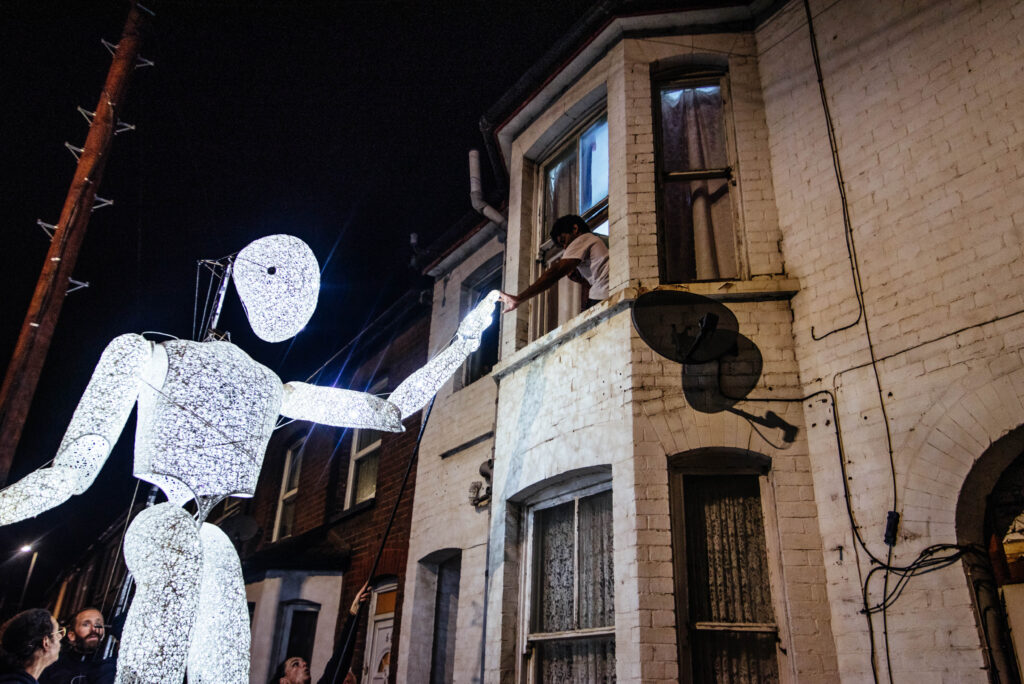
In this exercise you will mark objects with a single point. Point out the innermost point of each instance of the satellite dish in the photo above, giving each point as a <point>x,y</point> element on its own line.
<point>718,385</point>
<point>685,327</point>
<point>240,528</point>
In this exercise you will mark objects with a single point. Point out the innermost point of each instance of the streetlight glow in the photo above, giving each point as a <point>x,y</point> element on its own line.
<point>26,548</point>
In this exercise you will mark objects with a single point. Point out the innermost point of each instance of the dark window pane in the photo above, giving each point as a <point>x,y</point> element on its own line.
<point>284,528</point>
<point>365,438</point>
<point>365,479</point>
<point>593,165</point>
<point>697,231</point>
<point>692,134</point>
<point>735,658</point>
<point>597,581</point>
<point>294,468</point>
<point>554,536</point>
<point>582,661</point>
<point>446,610</point>
<point>300,637</point>
<point>560,186</point>
<point>483,359</point>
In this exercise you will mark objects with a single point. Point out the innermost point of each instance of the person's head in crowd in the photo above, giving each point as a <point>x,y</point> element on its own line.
<point>293,670</point>
<point>29,642</point>
<point>86,631</point>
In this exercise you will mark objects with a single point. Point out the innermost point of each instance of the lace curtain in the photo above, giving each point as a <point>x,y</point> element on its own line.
<point>698,234</point>
<point>727,574</point>
<point>575,589</point>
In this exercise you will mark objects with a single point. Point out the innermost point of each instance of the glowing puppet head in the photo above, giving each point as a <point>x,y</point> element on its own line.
<point>278,280</point>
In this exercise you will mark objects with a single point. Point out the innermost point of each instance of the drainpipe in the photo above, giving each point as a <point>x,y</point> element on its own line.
<point>476,193</point>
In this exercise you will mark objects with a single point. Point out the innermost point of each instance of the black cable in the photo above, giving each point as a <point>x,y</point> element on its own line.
<point>833,146</point>
<point>394,511</point>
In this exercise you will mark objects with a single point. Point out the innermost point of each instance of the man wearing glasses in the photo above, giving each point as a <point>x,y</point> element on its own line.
<point>80,661</point>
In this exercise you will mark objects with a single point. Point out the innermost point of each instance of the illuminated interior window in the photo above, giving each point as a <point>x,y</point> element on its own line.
<point>574,181</point>
<point>696,235</point>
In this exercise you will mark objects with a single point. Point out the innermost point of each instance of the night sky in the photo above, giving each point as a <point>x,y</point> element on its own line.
<point>344,123</point>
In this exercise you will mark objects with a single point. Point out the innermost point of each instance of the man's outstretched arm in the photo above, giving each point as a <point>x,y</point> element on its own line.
<point>547,279</point>
<point>95,427</point>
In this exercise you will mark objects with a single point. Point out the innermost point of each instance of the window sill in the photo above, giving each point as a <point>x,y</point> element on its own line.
<point>759,289</point>
<point>574,327</point>
<point>353,511</point>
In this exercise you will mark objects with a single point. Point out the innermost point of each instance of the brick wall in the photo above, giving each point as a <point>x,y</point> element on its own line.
<point>925,99</point>
<point>443,517</point>
<point>323,479</point>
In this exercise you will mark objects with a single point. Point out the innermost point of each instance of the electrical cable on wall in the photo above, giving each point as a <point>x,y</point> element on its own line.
<point>892,521</point>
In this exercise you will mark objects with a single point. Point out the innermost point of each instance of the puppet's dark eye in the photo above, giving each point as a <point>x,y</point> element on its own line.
<point>272,270</point>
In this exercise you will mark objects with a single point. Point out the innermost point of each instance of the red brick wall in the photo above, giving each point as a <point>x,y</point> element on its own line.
<point>324,475</point>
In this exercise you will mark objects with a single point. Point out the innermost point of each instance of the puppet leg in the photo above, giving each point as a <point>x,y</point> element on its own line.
<point>162,552</point>
<point>220,643</point>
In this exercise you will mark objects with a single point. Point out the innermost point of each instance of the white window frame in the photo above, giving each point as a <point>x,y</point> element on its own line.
<point>566,296</point>
<point>690,78</point>
<point>371,624</point>
<point>472,295</point>
<point>288,610</point>
<point>527,582</point>
<point>356,454</point>
<point>292,454</point>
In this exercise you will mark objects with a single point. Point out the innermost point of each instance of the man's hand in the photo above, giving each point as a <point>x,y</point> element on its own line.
<point>510,301</point>
<point>361,597</point>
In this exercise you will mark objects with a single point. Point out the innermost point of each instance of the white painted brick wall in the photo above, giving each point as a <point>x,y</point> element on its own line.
<point>925,99</point>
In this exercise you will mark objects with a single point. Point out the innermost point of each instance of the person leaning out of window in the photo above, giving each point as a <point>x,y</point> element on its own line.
<point>584,260</point>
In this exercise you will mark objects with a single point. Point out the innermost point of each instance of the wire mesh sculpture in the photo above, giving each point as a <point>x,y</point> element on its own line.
<point>206,412</point>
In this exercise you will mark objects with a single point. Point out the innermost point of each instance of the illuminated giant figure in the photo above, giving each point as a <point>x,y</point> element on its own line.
<point>205,414</point>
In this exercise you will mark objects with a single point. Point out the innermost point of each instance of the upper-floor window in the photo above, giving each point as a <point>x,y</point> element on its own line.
<point>576,177</point>
<point>571,620</point>
<point>284,519</point>
<point>696,232</point>
<point>574,180</point>
<point>365,457</point>
<point>474,289</point>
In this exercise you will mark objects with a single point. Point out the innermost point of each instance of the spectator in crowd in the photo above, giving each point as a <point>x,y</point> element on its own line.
<point>29,642</point>
<point>295,670</point>
<point>79,661</point>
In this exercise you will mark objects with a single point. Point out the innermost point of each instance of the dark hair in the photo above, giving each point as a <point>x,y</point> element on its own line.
<point>74,618</point>
<point>22,636</point>
<point>566,223</point>
<point>278,674</point>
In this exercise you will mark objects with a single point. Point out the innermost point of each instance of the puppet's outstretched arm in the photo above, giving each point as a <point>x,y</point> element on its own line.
<point>95,427</point>
<point>339,407</point>
<point>418,388</point>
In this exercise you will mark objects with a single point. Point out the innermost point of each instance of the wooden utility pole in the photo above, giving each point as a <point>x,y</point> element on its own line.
<point>26,365</point>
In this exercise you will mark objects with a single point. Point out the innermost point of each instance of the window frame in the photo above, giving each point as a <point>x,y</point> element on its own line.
<point>695,76</point>
<point>294,452</point>
<point>356,454</point>
<point>529,579</point>
<point>566,299</point>
<point>452,564</point>
<point>712,461</point>
<point>472,294</point>
<point>287,610</point>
